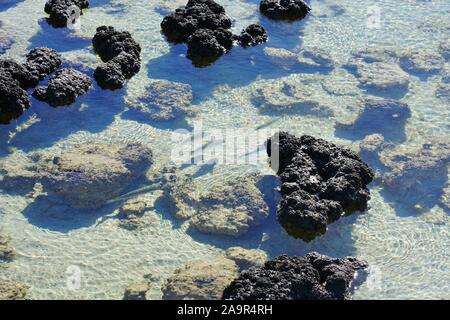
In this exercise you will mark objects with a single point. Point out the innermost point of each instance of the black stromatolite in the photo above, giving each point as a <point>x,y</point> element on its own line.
<point>63,12</point>
<point>284,9</point>
<point>13,99</point>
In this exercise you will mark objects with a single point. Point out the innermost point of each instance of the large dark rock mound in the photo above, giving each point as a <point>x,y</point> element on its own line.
<point>284,9</point>
<point>62,12</point>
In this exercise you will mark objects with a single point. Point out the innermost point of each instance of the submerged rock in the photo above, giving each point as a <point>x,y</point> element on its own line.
<point>320,182</point>
<point>306,57</point>
<point>284,9</point>
<point>13,99</point>
<point>201,280</point>
<point>86,175</point>
<point>246,258</point>
<point>312,277</point>
<point>132,212</point>
<point>137,291</point>
<point>165,100</point>
<point>7,253</point>
<point>5,44</point>
<point>379,116</point>
<point>444,50</point>
<point>443,89</point>
<point>122,56</point>
<point>64,88</point>
<point>253,35</point>
<point>11,290</point>
<point>422,62</point>
<point>62,12</point>
<point>231,209</point>
<point>371,146</point>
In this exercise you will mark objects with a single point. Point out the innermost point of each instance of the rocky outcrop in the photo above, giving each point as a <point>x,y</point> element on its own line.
<point>11,290</point>
<point>421,62</point>
<point>246,258</point>
<point>204,26</point>
<point>86,175</point>
<point>122,56</point>
<point>13,99</point>
<point>164,100</point>
<point>63,12</point>
<point>137,291</point>
<point>384,116</point>
<point>201,280</point>
<point>312,277</point>
<point>231,209</point>
<point>64,88</point>
<point>320,182</point>
<point>284,9</point>
<point>7,253</point>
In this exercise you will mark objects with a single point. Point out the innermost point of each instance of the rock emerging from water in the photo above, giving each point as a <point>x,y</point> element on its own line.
<point>122,56</point>
<point>11,290</point>
<point>201,280</point>
<point>204,26</point>
<point>320,182</point>
<point>64,12</point>
<point>137,291</point>
<point>86,175</point>
<point>284,9</point>
<point>64,88</point>
<point>312,277</point>
<point>13,99</point>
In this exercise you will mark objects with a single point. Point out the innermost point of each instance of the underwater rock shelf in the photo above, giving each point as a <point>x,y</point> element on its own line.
<point>320,183</point>
<point>204,26</point>
<point>122,56</point>
<point>312,277</point>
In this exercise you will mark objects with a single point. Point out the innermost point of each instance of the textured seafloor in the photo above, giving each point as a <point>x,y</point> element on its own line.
<point>406,246</point>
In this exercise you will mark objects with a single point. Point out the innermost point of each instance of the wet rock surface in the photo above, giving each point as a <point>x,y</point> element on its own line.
<point>246,258</point>
<point>7,253</point>
<point>384,116</point>
<point>204,26</point>
<point>231,209</point>
<point>11,290</point>
<point>284,9</point>
<point>201,280</point>
<point>137,291</point>
<point>165,100</point>
<point>63,12</point>
<point>312,277</point>
<point>13,99</point>
<point>64,88</point>
<point>421,62</point>
<point>132,214</point>
<point>86,176</point>
<point>320,182</point>
<point>122,56</point>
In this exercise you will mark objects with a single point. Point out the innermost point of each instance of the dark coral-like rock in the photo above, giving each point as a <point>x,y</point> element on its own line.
<point>63,12</point>
<point>253,35</point>
<point>122,56</point>
<point>64,88</point>
<point>320,182</point>
<point>312,277</point>
<point>204,47</point>
<point>13,99</point>
<point>284,9</point>
<point>43,61</point>
<point>20,72</point>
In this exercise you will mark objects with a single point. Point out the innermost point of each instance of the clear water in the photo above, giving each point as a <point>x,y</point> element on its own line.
<point>408,251</point>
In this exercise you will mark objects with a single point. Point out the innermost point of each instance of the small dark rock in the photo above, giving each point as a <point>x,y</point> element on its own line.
<point>64,88</point>
<point>284,9</point>
<point>61,11</point>
<point>109,43</point>
<point>312,277</point>
<point>253,35</point>
<point>320,182</point>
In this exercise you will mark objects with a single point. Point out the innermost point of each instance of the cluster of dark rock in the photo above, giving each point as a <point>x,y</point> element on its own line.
<point>63,12</point>
<point>122,56</point>
<point>320,182</point>
<point>17,77</point>
<point>204,26</point>
<point>284,9</point>
<point>312,277</point>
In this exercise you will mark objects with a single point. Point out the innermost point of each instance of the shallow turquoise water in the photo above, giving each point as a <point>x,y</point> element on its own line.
<point>408,252</point>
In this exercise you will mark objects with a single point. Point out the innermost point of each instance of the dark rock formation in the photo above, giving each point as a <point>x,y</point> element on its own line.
<point>320,182</point>
<point>284,9</point>
<point>13,99</point>
<point>313,277</point>
<point>63,12</point>
<point>253,35</point>
<point>64,88</point>
<point>122,56</point>
<point>204,26</point>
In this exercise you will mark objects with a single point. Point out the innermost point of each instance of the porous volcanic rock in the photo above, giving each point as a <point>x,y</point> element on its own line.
<point>201,280</point>
<point>164,100</point>
<point>86,175</point>
<point>11,290</point>
<point>253,35</point>
<point>122,56</point>
<point>284,9</point>
<point>205,45</point>
<point>312,277</point>
<point>64,88</point>
<point>320,182</point>
<point>63,12</point>
<point>13,99</point>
